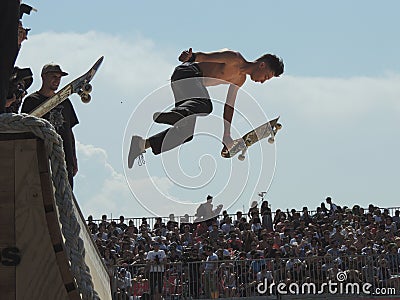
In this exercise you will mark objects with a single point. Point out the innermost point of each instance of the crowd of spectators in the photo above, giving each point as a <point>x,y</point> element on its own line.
<point>288,246</point>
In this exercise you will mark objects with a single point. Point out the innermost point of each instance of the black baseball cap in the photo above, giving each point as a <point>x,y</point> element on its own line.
<point>53,68</point>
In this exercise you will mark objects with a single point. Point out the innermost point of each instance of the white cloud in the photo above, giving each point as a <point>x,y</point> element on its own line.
<point>128,63</point>
<point>330,98</point>
<point>100,189</point>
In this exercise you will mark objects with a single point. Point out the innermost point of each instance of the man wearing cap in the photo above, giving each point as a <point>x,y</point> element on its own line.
<point>62,117</point>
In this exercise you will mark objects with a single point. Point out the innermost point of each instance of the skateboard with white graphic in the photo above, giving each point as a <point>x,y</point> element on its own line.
<point>267,130</point>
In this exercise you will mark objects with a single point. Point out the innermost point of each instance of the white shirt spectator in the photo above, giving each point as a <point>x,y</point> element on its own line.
<point>156,258</point>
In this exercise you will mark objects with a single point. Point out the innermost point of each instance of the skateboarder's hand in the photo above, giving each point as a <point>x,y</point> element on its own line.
<point>185,55</point>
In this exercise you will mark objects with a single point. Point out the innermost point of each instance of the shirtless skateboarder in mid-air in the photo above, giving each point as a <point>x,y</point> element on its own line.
<point>189,81</point>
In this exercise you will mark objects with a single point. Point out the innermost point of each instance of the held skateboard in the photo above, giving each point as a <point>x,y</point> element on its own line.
<point>81,86</point>
<point>269,129</point>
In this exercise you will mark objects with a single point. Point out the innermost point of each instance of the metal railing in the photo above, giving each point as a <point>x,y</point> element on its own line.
<point>343,276</point>
<point>189,219</point>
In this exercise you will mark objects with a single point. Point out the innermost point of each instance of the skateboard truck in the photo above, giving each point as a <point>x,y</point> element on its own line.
<point>85,93</point>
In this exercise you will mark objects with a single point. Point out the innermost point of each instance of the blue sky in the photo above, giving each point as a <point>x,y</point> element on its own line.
<point>338,100</point>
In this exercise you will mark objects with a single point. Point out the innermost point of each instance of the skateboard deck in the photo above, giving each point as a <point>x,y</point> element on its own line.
<point>269,129</point>
<point>81,86</point>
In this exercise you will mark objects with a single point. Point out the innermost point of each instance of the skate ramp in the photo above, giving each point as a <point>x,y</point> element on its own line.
<point>33,262</point>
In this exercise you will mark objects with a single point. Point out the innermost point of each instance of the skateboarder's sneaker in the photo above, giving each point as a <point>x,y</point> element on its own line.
<point>136,150</point>
<point>170,117</point>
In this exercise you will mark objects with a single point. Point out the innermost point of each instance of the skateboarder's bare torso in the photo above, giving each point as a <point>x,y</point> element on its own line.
<point>214,72</point>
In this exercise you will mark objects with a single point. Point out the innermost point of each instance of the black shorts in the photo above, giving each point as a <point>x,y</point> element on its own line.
<point>186,70</point>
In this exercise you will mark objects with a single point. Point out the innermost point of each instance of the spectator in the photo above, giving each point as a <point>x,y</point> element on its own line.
<point>210,274</point>
<point>144,225</point>
<point>333,207</point>
<point>62,117</point>
<point>101,234</point>
<point>324,210</point>
<point>158,223</point>
<point>239,216</point>
<point>253,210</point>
<point>104,221</point>
<point>20,81</point>
<point>396,218</point>
<point>92,225</point>
<point>122,224</point>
<point>131,230</point>
<point>156,259</point>
<point>110,261</point>
<point>266,215</point>
<point>234,242</point>
<point>185,219</point>
<point>227,226</point>
<point>384,274</point>
<point>390,225</point>
<point>171,224</point>
<point>305,217</point>
<point>205,211</point>
<point>187,236</point>
<point>123,284</point>
<point>256,225</point>
<point>174,254</point>
<point>193,259</point>
<point>214,232</point>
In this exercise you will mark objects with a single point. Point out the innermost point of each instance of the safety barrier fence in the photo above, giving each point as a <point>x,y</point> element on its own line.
<point>190,219</point>
<point>353,276</point>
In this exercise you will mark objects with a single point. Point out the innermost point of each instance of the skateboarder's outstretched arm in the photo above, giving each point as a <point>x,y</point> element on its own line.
<point>229,109</point>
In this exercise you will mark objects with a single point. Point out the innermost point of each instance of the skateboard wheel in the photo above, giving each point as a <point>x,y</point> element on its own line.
<point>85,98</point>
<point>87,88</point>
<point>271,140</point>
<point>278,126</point>
<point>241,157</point>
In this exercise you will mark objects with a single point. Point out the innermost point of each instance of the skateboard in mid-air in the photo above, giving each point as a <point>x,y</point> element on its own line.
<point>269,129</point>
<point>81,86</point>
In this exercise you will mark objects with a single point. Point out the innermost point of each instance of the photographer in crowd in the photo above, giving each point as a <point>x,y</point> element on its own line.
<point>156,260</point>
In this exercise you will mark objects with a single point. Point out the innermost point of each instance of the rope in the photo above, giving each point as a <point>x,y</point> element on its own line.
<point>63,194</point>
